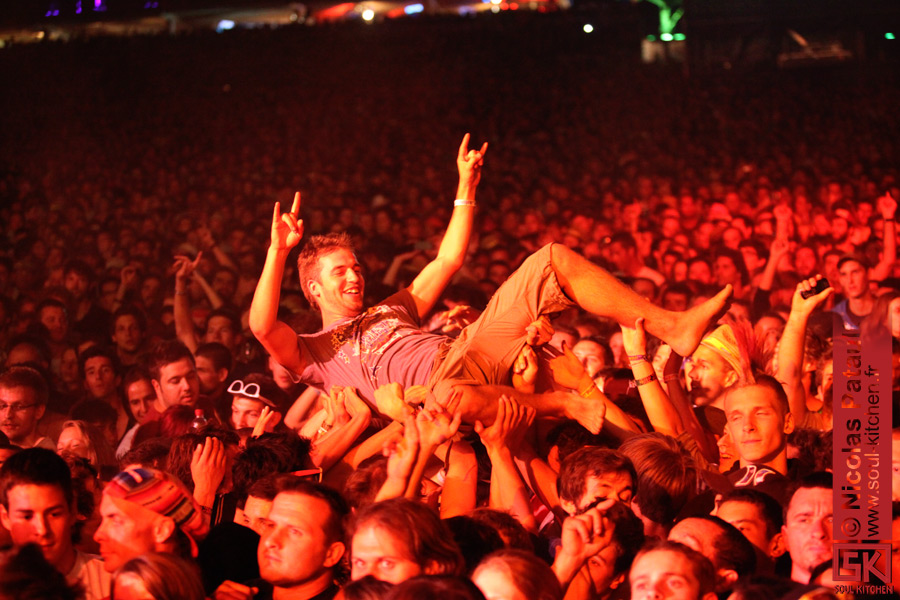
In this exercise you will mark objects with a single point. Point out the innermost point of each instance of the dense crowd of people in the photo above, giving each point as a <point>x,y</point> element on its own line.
<point>607,374</point>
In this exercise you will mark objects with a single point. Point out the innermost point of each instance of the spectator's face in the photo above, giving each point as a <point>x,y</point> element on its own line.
<point>55,320</point>
<point>293,547</point>
<point>699,534</point>
<point>675,301</point>
<point>150,288</point>
<point>894,315</point>
<point>140,397</point>
<point>127,334</point>
<point>664,575</point>
<point>619,255</point>
<point>108,291</point>
<point>178,384</point>
<point>379,553</point>
<point>220,329</point>
<point>839,228</point>
<point>99,377</point>
<point>725,271</point>
<point>709,374</point>
<point>39,514</point>
<point>19,413</point>
<point>256,511</point>
<point>854,279</point>
<point>124,534</point>
<point>614,484</point>
<point>68,369</point>
<point>805,261</point>
<point>700,272</point>
<point>244,411</point>
<point>732,237</point>
<point>76,283</point>
<point>340,285</point>
<point>757,424</point>
<point>208,376</point>
<point>808,527</point>
<point>748,519</point>
<point>72,441</point>
<point>591,356</point>
<point>225,284</point>
<point>727,452</point>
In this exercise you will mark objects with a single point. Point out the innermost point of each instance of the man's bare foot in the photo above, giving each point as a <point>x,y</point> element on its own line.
<point>589,413</point>
<point>693,323</point>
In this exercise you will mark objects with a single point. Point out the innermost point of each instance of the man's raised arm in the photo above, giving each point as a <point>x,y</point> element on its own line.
<point>428,285</point>
<point>276,336</point>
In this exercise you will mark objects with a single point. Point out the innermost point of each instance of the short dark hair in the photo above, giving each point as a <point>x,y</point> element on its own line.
<point>333,525</point>
<point>234,319</point>
<point>315,248</point>
<point>35,466</point>
<point>166,353</point>
<point>591,462</point>
<point>79,266</point>
<point>220,356</point>
<point>94,352</point>
<point>818,479</point>
<point>769,508</point>
<point>704,570</point>
<point>129,310</point>
<point>26,377</point>
<point>733,549</point>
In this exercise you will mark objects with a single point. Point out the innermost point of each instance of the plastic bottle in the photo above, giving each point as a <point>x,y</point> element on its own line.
<point>199,421</point>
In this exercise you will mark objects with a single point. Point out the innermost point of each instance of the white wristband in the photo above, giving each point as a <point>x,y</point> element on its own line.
<point>463,202</point>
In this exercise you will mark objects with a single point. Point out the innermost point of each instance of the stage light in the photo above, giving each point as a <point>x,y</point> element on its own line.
<point>666,37</point>
<point>413,9</point>
<point>224,25</point>
<point>368,14</point>
<point>651,38</point>
<point>679,37</point>
<point>889,36</point>
<point>495,9</point>
<point>588,28</point>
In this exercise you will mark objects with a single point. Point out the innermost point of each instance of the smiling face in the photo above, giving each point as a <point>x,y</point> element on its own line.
<point>39,514</point>
<point>758,424</point>
<point>340,285</point>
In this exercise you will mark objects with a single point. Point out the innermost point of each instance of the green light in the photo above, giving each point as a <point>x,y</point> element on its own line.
<point>679,37</point>
<point>889,36</point>
<point>667,37</point>
<point>651,38</point>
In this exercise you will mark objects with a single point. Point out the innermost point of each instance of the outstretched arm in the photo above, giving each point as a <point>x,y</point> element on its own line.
<point>276,336</point>
<point>184,326</point>
<point>793,340</point>
<point>428,286</point>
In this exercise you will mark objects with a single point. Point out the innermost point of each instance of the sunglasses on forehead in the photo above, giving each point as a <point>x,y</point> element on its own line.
<point>251,390</point>
<point>314,475</point>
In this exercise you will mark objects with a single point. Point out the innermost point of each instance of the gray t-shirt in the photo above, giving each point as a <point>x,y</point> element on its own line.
<point>382,345</point>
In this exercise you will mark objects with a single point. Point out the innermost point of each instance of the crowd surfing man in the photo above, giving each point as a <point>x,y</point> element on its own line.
<point>370,348</point>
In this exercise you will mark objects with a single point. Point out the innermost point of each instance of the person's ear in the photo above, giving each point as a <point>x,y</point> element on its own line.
<point>157,388</point>
<point>39,411</point>
<point>431,568</point>
<point>4,518</point>
<point>617,581</point>
<point>727,577</point>
<point>777,545</point>
<point>568,506</point>
<point>314,289</point>
<point>334,554</point>
<point>222,375</point>
<point>732,378</point>
<point>163,528</point>
<point>788,422</point>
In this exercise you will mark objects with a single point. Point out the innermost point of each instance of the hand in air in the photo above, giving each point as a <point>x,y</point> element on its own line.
<point>287,228</point>
<point>469,162</point>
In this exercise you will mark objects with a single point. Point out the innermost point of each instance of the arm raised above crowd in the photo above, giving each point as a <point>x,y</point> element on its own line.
<point>428,285</point>
<point>276,336</point>
<point>887,207</point>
